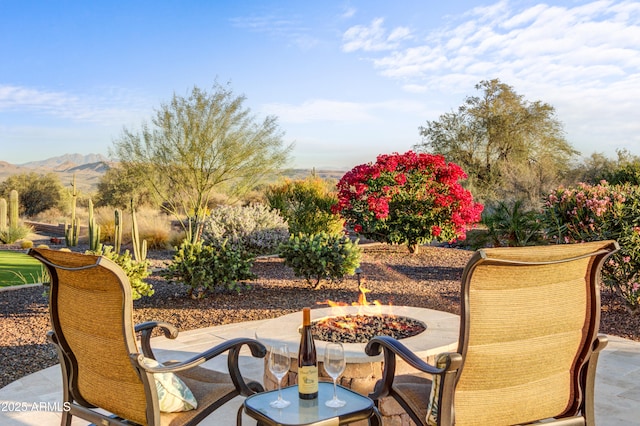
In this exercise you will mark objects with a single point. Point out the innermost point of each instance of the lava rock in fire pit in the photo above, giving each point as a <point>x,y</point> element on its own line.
<point>361,328</point>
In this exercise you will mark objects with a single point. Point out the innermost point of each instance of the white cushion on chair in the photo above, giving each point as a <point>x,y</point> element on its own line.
<point>173,394</point>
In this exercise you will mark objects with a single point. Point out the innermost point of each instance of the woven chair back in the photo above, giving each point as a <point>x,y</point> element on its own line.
<point>91,314</point>
<point>530,316</point>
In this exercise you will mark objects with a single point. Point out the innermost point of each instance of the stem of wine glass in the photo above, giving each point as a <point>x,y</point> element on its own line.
<point>335,395</point>
<point>280,389</point>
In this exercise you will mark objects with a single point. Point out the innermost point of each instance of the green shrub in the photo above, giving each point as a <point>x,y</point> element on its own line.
<point>26,244</point>
<point>306,205</point>
<point>509,224</point>
<point>210,267</point>
<point>136,271</point>
<point>255,228</point>
<point>600,212</point>
<point>321,256</point>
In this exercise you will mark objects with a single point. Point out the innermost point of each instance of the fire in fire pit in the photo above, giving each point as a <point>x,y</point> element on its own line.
<point>361,328</point>
<point>366,324</point>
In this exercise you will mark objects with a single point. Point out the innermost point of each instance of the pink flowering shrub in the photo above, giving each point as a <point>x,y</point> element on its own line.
<point>408,199</point>
<point>599,212</point>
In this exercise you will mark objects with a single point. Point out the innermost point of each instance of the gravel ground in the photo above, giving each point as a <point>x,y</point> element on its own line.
<point>430,279</point>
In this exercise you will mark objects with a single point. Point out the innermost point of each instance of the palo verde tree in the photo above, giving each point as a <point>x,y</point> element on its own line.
<point>509,147</point>
<point>200,144</point>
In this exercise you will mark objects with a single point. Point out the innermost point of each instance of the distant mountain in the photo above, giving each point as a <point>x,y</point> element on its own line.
<point>66,161</point>
<point>87,169</point>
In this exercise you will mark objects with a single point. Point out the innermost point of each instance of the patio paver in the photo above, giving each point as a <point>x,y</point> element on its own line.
<point>39,394</point>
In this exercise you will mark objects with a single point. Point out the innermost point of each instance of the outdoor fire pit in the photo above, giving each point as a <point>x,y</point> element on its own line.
<point>360,328</point>
<point>440,334</point>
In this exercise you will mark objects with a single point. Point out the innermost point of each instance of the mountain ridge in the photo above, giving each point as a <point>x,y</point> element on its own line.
<point>89,169</point>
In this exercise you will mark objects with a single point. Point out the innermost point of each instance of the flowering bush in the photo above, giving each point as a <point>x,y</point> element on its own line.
<point>598,212</point>
<point>407,198</point>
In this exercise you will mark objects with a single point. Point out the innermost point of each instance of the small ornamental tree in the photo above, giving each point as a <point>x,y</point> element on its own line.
<point>408,199</point>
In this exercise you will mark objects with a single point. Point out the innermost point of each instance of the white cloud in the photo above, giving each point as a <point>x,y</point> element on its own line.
<point>104,109</point>
<point>348,13</point>
<point>373,37</point>
<point>583,58</point>
<point>291,29</point>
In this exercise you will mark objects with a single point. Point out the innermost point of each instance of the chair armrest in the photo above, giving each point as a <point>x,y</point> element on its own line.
<point>146,330</point>
<point>233,346</point>
<point>600,342</point>
<point>392,348</point>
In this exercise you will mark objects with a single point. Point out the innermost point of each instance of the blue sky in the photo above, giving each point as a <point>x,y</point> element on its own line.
<point>348,80</point>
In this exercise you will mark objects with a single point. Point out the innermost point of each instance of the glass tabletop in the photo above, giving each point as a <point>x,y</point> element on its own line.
<point>307,412</point>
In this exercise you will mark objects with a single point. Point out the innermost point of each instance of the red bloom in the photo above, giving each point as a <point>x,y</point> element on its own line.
<point>401,179</point>
<point>407,198</point>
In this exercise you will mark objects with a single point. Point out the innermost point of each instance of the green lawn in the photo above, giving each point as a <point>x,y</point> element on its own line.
<point>18,268</point>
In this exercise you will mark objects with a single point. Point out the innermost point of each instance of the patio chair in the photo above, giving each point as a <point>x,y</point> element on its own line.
<point>528,345</point>
<point>102,366</point>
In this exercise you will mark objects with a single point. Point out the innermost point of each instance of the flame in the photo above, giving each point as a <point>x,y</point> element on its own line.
<point>341,320</point>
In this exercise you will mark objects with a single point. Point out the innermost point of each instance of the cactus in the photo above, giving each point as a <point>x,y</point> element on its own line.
<point>139,249</point>
<point>3,215</point>
<point>13,209</point>
<point>72,230</point>
<point>117,231</point>
<point>94,230</point>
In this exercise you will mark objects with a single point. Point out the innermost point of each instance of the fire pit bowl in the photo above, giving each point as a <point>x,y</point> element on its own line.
<point>362,372</point>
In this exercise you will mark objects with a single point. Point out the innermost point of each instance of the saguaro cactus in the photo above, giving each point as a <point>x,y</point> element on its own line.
<point>94,230</point>
<point>3,215</point>
<point>13,209</point>
<point>72,230</point>
<point>117,231</point>
<point>139,249</point>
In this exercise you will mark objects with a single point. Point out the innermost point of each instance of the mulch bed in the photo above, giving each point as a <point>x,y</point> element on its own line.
<point>429,279</point>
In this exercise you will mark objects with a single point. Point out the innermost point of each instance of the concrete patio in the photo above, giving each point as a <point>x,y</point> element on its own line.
<point>39,395</point>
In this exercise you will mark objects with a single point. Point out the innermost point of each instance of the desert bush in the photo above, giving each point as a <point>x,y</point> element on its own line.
<point>53,215</point>
<point>154,226</point>
<point>306,205</point>
<point>255,228</point>
<point>26,244</point>
<point>407,199</point>
<point>14,233</point>
<point>315,257</point>
<point>136,271</point>
<point>210,268</point>
<point>600,212</point>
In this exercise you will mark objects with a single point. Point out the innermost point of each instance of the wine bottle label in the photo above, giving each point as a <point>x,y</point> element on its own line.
<point>308,379</point>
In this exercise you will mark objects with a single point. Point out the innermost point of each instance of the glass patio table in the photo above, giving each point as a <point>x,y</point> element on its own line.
<point>310,412</point>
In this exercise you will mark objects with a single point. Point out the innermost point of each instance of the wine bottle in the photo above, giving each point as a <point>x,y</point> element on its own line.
<point>307,360</point>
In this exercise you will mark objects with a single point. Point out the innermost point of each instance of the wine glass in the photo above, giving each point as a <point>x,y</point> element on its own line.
<point>334,365</point>
<point>279,365</point>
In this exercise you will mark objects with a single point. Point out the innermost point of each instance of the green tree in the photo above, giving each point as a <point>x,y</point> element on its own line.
<point>597,167</point>
<point>201,144</point>
<point>37,192</point>
<point>118,186</point>
<point>510,148</point>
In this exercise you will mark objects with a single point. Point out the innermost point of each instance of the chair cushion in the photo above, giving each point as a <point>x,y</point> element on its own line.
<point>173,394</point>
